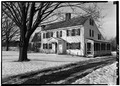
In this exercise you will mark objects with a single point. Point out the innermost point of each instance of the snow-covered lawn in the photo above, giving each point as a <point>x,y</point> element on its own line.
<point>10,66</point>
<point>105,75</point>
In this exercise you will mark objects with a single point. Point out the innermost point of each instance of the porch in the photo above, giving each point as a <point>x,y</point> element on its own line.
<point>97,48</point>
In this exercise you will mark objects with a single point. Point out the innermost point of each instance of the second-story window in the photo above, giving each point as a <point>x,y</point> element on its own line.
<point>92,33</point>
<point>43,35</point>
<point>57,34</point>
<point>73,32</point>
<point>99,36</point>
<point>60,33</point>
<point>77,31</point>
<point>68,32</point>
<point>51,34</point>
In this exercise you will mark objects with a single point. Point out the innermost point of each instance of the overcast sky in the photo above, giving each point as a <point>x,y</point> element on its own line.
<point>109,22</point>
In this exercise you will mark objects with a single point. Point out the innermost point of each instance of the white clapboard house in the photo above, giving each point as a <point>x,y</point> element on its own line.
<point>77,36</point>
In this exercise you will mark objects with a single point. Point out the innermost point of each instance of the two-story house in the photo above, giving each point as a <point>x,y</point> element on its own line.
<point>76,36</point>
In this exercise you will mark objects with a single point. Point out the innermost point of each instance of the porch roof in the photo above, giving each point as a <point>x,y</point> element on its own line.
<point>54,39</point>
<point>105,41</point>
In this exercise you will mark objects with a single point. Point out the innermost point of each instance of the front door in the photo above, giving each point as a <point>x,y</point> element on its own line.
<point>89,48</point>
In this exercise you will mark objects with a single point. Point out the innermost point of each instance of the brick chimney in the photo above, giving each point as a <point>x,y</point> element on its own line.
<point>42,27</point>
<point>68,16</point>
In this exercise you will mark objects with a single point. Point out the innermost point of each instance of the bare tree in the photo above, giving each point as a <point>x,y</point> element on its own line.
<point>28,16</point>
<point>9,31</point>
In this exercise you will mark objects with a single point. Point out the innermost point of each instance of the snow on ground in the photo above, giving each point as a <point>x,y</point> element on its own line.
<point>10,66</point>
<point>105,75</point>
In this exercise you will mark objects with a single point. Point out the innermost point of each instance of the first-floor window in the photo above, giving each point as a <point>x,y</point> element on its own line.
<point>50,46</point>
<point>73,45</point>
<point>43,46</point>
<point>96,46</point>
<point>47,46</point>
<point>68,46</point>
<point>108,46</point>
<point>103,46</point>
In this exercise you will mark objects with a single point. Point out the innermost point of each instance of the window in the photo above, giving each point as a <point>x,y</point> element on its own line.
<point>90,32</point>
<point>73,32</point>
<point>47,35</point>
<point>50,46</point>
<point>68,46</point>
<point>60,33</point>
<point>99,36</point>
<point>68,32</point>
<point>103,46</point>
<point>77,31</point>
<point>57,34</point>
<point>73,45</point>
<point>51,34</point>
<point>38,45</point>
<point>44,46</point>
<point>108,46</point>
<point>96,46</point>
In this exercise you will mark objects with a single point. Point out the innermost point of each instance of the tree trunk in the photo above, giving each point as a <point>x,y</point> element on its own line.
<point>23,46</point>
<point>7,45</point>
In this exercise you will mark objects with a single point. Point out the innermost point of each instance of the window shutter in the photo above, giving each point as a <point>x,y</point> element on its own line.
<point>90,32</point>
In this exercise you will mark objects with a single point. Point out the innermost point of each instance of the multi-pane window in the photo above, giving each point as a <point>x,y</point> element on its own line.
<point>73,32</point>
<point>108,46</point>
<point>96,46</point>
<point>51,34</point>
<point>44,46</point>
<point>47,46</point>
<point>73,45</point>
<point>47,34</point>
<point>68,46</point>
<point>103,46</point>
<point>99,36</point>
<point>50,46</point>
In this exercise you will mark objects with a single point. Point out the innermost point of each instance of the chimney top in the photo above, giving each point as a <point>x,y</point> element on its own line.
<point>42,27</point>
<point>68,16</point>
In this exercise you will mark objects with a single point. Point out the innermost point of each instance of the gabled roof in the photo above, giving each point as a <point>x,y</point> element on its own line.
<point>58,39</point>
<point>36,37</point>
<point>67,23</point>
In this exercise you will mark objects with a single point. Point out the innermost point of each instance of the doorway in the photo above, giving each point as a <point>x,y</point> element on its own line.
<point>89,48</point>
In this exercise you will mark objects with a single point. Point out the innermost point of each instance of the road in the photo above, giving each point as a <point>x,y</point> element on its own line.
<point>61,75</point>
